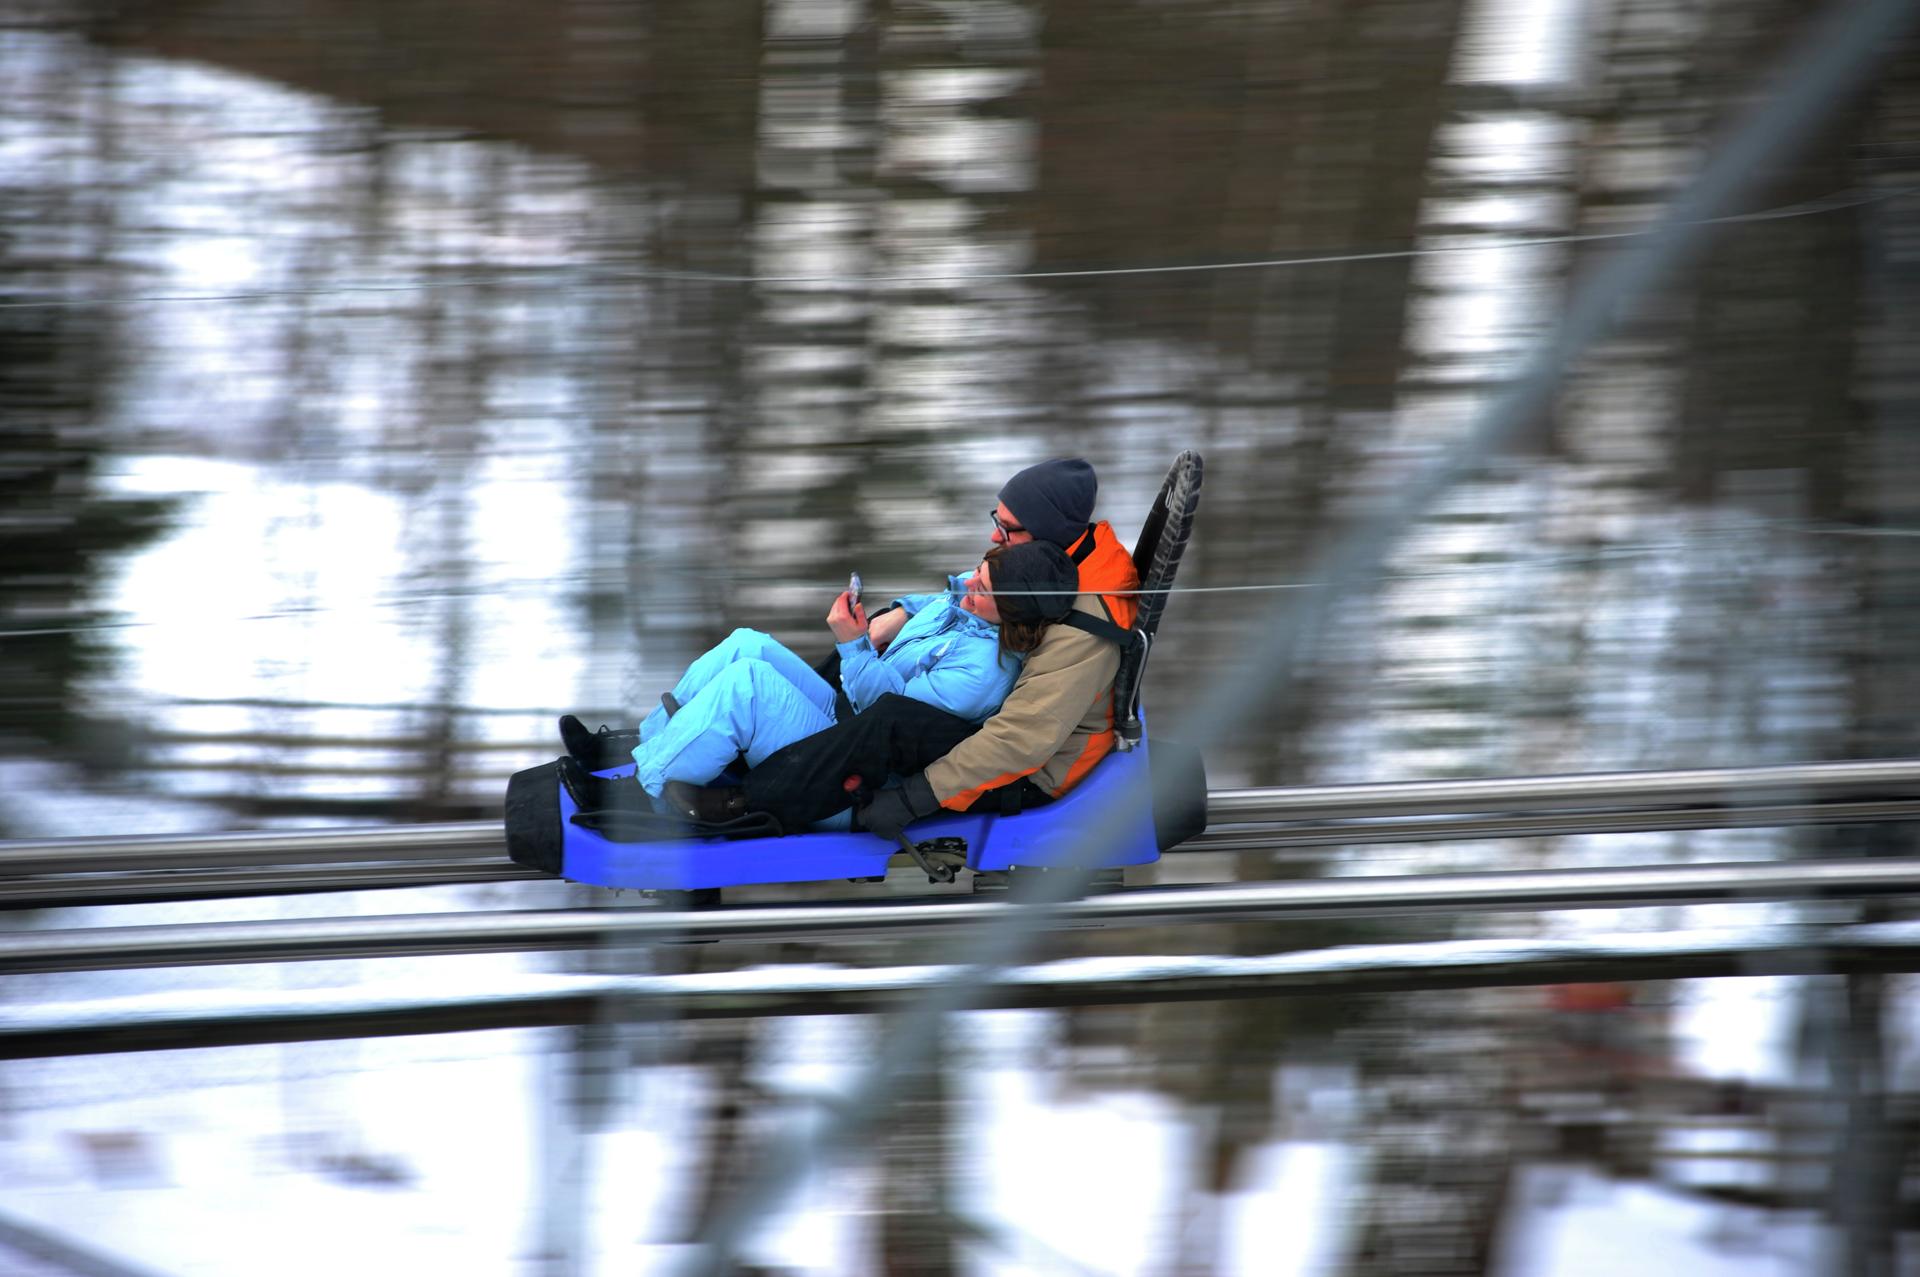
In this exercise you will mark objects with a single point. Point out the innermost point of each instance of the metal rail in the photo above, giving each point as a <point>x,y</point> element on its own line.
<point>1360,832</point>
<point>72,871</point>
<point>142,887</point>
<point>1797,783</point>
<point>70,890</point>
<point>165,1021</point>
<point>254,849</point>
<point>292,940</point>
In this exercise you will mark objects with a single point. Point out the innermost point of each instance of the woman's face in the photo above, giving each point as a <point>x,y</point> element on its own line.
<point>979,599</point>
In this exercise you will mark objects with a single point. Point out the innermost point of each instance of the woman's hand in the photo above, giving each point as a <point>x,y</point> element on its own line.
<point>847,619</point>
<point>885,626</point>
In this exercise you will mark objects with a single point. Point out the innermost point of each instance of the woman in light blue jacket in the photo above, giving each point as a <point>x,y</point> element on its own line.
<point>750,695</point>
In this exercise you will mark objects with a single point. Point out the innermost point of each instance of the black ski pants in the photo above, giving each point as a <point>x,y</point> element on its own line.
<point>896,735</point>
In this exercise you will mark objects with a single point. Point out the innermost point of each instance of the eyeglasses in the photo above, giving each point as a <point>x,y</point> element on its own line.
<point>1008,530</point>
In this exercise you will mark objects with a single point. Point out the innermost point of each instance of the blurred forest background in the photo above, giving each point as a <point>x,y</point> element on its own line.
<point>379,378</point>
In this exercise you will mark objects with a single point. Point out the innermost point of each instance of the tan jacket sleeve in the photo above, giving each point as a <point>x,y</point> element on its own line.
<point>1062,679</point>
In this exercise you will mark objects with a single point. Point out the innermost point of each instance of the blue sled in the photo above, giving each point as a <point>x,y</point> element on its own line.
<point>1133,809</point>
<point>1134,805</point>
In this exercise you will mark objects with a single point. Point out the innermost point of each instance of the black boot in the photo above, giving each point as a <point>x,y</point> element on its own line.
<point>604,748</point>
<point>598,793</point>
<point>709,805</point>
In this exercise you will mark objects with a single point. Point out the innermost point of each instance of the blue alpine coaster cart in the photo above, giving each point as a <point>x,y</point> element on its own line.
<point>547,831</point>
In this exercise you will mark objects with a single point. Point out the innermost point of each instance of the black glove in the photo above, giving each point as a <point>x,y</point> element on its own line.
<point>892,810</point>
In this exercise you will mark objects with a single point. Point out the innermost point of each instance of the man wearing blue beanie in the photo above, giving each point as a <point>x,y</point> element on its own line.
<point>1052,501</point>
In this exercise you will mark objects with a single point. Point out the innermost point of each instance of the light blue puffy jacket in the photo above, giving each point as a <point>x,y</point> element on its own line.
<point>943,655</point>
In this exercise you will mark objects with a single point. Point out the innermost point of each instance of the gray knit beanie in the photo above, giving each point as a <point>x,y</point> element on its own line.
<point>1053,500</point>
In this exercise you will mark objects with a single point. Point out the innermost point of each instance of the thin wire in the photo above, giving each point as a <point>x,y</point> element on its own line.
<point>1806,208</point>
<point>540,588</point>
<point>537,588</point>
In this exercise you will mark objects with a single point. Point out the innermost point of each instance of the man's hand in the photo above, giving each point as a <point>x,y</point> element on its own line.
<point>881,631</point>
<point>892,810</point>
<point>847,619</point>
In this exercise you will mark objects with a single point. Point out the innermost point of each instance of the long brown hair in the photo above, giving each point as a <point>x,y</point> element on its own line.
<point>1017,638</point>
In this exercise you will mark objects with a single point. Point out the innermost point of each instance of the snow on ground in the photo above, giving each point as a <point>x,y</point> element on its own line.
<point>444,1154</point>
<point>230,1179</point>
<point>1576,1223</point>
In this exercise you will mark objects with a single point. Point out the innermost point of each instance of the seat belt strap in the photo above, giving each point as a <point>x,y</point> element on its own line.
<point>1083,548</point>
<point>1100,627</point>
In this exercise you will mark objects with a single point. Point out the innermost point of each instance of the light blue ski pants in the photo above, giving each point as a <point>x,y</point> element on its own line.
<point>748,695</point>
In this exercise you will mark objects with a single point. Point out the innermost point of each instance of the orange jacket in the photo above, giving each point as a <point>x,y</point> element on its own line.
<point>1107,565</point>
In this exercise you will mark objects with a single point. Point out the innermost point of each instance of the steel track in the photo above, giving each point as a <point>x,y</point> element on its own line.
<point>397,935</point>
<point>75,871</point>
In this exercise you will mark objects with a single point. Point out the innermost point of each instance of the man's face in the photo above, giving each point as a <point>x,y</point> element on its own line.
<point>1007,529</point>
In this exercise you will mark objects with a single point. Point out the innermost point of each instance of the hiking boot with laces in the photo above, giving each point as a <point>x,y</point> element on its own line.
<point>604,748</point>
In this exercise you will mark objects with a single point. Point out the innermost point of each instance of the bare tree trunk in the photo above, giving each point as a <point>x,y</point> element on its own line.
<point>1439,1140</point>
<point>1864,1195</point>
<point>917,1238</point>
<point>722,1047</point>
